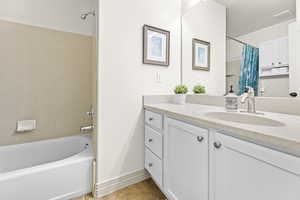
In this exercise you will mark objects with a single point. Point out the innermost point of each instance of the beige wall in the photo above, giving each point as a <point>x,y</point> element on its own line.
<point>94,91</point>
<point>95,76</point>
<point>44,75</point>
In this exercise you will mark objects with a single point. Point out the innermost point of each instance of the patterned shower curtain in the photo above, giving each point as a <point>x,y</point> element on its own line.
<point>249,69</point>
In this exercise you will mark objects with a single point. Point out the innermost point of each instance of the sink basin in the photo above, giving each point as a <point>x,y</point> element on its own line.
<point>248,119</point>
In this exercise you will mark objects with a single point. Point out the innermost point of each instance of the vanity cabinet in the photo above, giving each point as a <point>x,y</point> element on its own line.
<point>153,146</point>
<point>186,161</point>
<point>196,163</point>
<point>274,53</point>
<point>274,57</point>
<point>243,170</point>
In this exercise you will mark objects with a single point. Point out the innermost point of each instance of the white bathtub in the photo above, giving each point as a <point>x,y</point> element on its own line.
<point>55,169</point>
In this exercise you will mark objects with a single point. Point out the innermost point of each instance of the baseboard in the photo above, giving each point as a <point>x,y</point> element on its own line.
<point>118,183</point>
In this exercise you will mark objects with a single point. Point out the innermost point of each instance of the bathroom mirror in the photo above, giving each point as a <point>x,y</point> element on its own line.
<point>251,43</point>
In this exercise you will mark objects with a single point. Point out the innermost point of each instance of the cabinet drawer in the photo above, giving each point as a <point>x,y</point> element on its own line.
<point>153,119</point>
<point>154,166</point>
<point>153,140</point>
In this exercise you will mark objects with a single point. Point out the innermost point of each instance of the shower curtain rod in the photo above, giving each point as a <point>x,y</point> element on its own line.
<point>239,41</point>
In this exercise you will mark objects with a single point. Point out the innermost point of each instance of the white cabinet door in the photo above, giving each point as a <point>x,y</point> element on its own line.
<point>268,54</point>
<point>186,161</point>
<point>274,53</point>
<point>154,166</point>
<point>245,171</point>
<point>283,52</point>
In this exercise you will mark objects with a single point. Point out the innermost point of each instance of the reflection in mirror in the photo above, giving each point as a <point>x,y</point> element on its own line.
<point>260,46</point>
<point>204,45</point>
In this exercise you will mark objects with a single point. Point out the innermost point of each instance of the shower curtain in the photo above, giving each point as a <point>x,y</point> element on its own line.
<point>249,69</point>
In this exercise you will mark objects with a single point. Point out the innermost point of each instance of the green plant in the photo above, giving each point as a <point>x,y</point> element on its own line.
<point>181,89</point>
<point>199,89</point>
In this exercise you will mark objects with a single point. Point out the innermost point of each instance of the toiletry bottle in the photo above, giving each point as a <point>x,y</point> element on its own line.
<point>231,101</point>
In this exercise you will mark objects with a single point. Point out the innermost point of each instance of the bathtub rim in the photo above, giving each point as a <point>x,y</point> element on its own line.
<point>86,135</point>
<point>83,156</point>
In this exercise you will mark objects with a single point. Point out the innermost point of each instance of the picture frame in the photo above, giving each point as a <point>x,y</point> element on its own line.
<point>201,55</point>
<point>156,46</point>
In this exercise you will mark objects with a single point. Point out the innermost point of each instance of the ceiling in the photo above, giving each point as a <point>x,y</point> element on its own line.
<point>245,16</point>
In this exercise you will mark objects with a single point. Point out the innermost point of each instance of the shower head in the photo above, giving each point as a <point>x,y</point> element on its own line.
<point>85,15</point>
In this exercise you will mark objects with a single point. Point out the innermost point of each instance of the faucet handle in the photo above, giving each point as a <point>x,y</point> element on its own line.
<point>250,90</point>
<point>90,113</point>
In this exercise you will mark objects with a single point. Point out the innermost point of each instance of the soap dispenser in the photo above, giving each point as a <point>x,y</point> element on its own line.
<point>231,101</point>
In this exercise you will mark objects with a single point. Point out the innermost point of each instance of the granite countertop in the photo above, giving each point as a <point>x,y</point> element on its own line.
<point>284,138</point>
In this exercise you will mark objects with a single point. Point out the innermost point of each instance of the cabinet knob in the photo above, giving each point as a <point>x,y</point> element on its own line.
<point>273,63</point>
<point>150,164</point>
<point>279,63</point>
<point>217,145</point>
<point>293,94</point>
<point>151,119</point>
<point>200,138</point>
<point>150,140</point>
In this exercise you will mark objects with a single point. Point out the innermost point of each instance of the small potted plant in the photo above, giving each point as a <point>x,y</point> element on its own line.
<point>180,94</point>
<point>199,89</point>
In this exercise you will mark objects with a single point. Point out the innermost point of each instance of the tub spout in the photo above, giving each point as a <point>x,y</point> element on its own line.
<point>86,128</point>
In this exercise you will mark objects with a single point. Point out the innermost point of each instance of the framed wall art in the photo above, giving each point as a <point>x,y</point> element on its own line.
<point>156,49</point>
<point>201,55</point>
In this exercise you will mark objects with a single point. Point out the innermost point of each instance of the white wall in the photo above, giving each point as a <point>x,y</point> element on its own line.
<point>61,15</point>
<point>188,4</point>
<point>123,79</point>
<point>205,21</point>
<point>234,49</point>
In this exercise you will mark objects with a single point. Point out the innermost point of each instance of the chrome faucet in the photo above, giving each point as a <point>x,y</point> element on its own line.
<point>84,129</point>
<point>89,128</point>
<point>249,96</point>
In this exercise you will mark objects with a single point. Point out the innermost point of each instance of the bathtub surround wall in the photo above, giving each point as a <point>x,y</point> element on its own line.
<point>205,21</point>
<point>94,91</point>
<point>45,75</point>
<point>94,77</point>
<point>123,79</point>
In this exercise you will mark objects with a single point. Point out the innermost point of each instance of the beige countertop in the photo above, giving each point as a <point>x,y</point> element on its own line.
<point>283,138</point>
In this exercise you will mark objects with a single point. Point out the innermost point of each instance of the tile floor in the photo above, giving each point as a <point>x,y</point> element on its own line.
<point>146,190</point>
